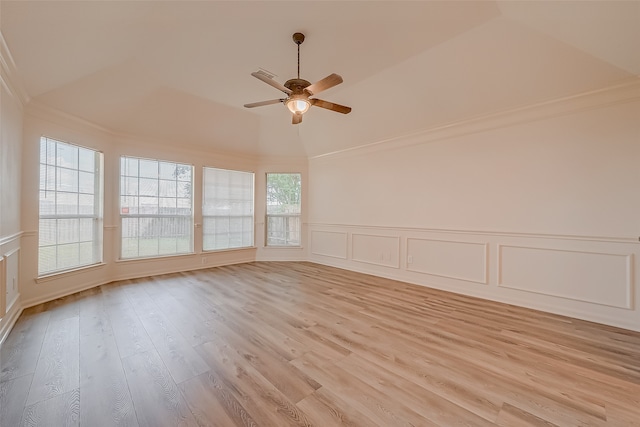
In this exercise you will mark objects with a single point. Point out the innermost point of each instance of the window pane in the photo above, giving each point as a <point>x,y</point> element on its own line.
<point>86,160</point>
<point>67,180</point>
<point>47,259</point>
<point>148,168</point>
<point>85,204</point>
<point>168,188</point>
<point>67,156</point>
<point>68,177</point>
<point>148,206</point>
<point>67,203</point>
<point>129,186</point>
<point>86,252</point>
<point>148,187</point>
<point>47,229</point>
<point>86,230</point>
<point>130,233</point>
<point>68,231</point>
<point>86,183</point>
<point>68,256</point>
<point>129,166</point>
<point>47,203</point>
<point>168,171</point>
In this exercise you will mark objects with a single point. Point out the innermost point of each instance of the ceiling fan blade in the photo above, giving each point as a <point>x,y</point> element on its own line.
<point>271,82</point>
<point>296,118</point>
<point>330,106</point>
<point>324,84</point>
<point>261,103</point>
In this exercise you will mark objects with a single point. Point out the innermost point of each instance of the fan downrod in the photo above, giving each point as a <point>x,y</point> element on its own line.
<point>298,38</point>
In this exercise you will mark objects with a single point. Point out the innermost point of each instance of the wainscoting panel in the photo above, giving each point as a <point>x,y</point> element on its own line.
<point>12,275</point>
<point>10,303</point>
<point>329,243</point>
<point>375,249</point>
<point>598,278</point>
<point>446,258</point>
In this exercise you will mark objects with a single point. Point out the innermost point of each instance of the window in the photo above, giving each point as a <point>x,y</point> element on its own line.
<point>227,209</point>
<point>70,224</point>
<point>283,209</point>
<point>156,214</point>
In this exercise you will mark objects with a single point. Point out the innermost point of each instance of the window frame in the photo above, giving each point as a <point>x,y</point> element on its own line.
<point>286,216</point>
<point>252,216</point>
<point>157,216</point>
<point>97,216</point>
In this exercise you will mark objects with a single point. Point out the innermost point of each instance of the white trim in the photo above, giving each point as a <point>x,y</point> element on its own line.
<point>11,238</point>
<point>8,321</point>
<point>628,285</point>
<point>9,76</point>
<point>63,273</point>
<point>485,259</point>
<point>3,287</point>
<point>611,239</point>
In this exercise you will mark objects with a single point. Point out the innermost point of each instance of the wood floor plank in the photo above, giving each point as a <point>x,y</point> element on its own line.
<point>156,398</point>
<point>430,405</point>
<point>128,331</point>
<point>13,395</point>
<point>106,400</point>
<point>296,343</point>
<point>289,380</point>
<point>20,351</point>
<point>57,371</point>
<point>213,404</point>
<point>93,315</point>
<point>382,409</point>
<point>324,408</point>
<point>178,356</point>
<point>63,308</point>
<point>265,401</point>
<point>59,411</point>
<point>511,416</point>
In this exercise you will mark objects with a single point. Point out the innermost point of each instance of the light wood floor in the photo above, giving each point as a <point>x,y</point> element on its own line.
<point>298,344</point>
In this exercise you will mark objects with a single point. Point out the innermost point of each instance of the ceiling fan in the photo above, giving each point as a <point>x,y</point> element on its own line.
<point>299,91</point>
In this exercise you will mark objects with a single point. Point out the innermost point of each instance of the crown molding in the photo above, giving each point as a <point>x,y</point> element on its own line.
<point>9,77</point>
<point>623,92</point>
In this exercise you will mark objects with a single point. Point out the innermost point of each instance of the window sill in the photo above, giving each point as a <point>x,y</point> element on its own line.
<point>215,251</point>
<point>157,257</point>
<point>61,274</point>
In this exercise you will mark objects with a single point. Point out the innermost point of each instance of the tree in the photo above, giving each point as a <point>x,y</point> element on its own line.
<point>183,172</point>
<point>284,191</point>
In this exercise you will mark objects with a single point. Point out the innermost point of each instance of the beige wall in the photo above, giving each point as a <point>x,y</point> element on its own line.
<point>538,207</point>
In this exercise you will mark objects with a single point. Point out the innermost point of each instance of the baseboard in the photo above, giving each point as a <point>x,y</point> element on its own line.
<point>9,320</point>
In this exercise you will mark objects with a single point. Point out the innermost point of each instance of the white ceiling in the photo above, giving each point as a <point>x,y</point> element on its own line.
<point>179,71</point>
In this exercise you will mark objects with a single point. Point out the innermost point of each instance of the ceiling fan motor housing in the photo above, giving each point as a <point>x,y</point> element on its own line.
<point>296,85</point>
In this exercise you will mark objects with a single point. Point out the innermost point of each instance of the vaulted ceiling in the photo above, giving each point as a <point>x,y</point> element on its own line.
<point>179,71</point>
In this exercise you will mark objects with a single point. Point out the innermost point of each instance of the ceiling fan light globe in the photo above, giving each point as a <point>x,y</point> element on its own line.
<point>298,106</point>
